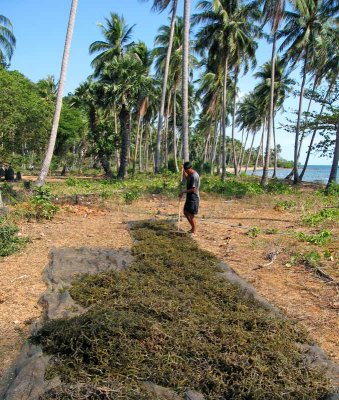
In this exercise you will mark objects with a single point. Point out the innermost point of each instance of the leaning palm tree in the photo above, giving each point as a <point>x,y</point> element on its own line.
<point>117,35</point>
<point>49,154</point>
<point>7,39</point>
<point>303,25</point>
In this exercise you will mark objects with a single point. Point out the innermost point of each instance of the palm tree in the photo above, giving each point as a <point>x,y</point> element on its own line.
<point>303,25</point>
<point>126,83</point>
<point>185,70</point>
<point>7,39</point>
<point>282,87</point>
<point>334,169</point>
<point>48,158</point>
<point>273,13</point>
<point>161,5</point>
<point>226,25</point>
<point>117,35</point>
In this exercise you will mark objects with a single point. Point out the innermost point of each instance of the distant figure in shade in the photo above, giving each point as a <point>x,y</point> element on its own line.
<point>191,206</point>
<point>9,174</point>
<point>2,172</point>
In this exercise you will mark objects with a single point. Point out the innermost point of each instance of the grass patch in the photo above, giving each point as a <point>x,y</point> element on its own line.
<point>10,242</point>
<point>327,214</point>
<point>318,239</point>
<point>171,319</point>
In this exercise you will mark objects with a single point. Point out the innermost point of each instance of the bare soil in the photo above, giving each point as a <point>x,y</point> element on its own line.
<point>223,224</point>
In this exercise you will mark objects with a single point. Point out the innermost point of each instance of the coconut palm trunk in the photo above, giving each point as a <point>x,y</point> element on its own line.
<point>185,66</point>
<point>136,144</point>
<point>235,164</point>
<point>243,149</point>
<point>333,174</point>
<point>223,120</point>
<point>314,133</point>
<point>50,150</point>
<point>175,152</point>
<point>296,141</point>
<point>275,151</point>
<point>157,160</point>
<point>264,179</point>
<point>260,147</point>
<point>250,153</point>
<point>214,147</point>
<point>125,121</point>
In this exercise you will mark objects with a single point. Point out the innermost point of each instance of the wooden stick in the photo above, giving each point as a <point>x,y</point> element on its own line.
<point>179,211</point>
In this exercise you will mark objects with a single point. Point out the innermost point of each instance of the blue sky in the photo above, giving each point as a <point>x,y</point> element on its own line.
<point>40,28</point>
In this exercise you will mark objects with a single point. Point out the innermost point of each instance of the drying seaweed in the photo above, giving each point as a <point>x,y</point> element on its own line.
<point>173,320</point>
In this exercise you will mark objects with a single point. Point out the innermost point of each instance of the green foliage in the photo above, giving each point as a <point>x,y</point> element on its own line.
<point>131,196</point>
<point>9,195</point>
<point>327,214</point>
<point>318,239</point>
<point>279,187</point>
<point>171,319</point>
<point>9,240</point>
<point>311,259</point>
<point>332,190</point>
<point>272,231</point>
<point>231,187</point>
<point>253,232</point>
<point>41,206</point>
<point>25,116</point>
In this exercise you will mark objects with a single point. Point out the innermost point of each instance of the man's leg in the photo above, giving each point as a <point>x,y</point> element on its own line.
<point>191,220</point>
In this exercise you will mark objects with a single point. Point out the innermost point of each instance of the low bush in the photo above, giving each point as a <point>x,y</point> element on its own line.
<point>327,214</point>
<point>318,239</point>
<point>10,242</point>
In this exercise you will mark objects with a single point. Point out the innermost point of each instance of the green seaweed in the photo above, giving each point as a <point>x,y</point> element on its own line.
<point>172,319</point>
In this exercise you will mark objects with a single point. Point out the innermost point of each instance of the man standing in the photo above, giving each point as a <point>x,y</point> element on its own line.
<point>192,195</point>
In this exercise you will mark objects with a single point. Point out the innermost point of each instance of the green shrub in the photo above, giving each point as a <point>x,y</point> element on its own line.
<point>41,206</point>
<point>278,187</point>
<point>327,214</point>
<point>230,187</point>
<point>311,259</point>
<point>253,232</point>
<point>318,239</point>
<point>9,240</point>
<point>131,196</point>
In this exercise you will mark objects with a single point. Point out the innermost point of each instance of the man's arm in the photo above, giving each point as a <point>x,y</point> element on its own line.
<point>193,190</point>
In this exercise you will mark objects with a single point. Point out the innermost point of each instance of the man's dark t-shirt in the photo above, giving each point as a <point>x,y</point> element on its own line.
<point>192,199</point>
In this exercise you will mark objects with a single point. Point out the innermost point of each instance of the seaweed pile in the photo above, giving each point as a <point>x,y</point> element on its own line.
<point>172,319</point>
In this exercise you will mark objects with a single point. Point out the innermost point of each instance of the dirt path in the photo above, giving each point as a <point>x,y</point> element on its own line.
<point>297,292</point>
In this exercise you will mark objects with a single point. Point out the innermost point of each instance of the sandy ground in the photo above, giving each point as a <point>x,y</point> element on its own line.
<point>297,292</point>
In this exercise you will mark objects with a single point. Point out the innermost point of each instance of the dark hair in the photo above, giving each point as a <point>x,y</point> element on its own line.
<point>187,165</point>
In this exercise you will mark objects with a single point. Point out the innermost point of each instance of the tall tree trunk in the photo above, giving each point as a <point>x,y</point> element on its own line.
<point>214,148</point>
<point>260,147</point>
<point>275,150</point>
<point>223,120</point>
<point>147,133</point>
<point>264,179</point>
<point>185,66</point>
<point>125,122</point>
<point>157,161</point>
<point>168,111</point>
<point>105,163</point>
<point>333,174</point>
<point>235,164</point>
<point>302,136</point>
<point>314,133</point>
<point>49,154</point>
<point>296,141</point>
<point>136,145</point>
<point>141,167</point>
<point>242,156</point>
<point>175,152</point>
<point>250,153</point>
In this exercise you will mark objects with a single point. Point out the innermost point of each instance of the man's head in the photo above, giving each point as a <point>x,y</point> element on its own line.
<point>188,168</point>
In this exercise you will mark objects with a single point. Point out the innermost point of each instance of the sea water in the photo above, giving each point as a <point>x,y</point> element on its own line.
<point>314,173</point>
